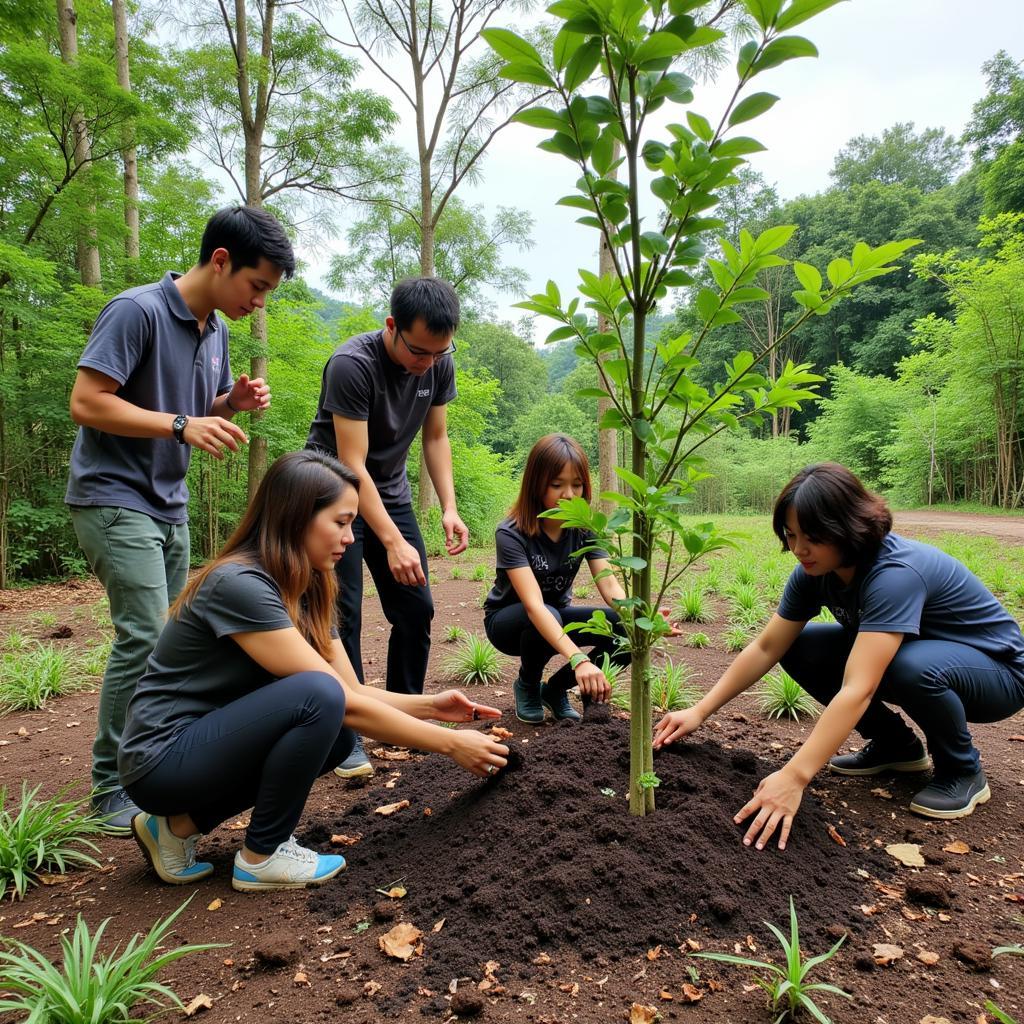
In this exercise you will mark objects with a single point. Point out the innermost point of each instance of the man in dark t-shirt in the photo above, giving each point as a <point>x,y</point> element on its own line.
<point>378,390</point>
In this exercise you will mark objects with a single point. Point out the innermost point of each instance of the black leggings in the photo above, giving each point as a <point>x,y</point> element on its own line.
<point>263,751</point>
<point>512,632</point>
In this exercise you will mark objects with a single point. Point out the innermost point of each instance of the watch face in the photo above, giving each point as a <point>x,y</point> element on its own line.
<point>179,424</point>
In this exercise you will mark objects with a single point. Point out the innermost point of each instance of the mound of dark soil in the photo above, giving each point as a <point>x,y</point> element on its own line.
<point>548,856</point>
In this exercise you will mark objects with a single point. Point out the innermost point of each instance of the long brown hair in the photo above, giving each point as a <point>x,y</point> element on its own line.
<point>272,533</point>
<point>833,507</point>
<point>543,464</point>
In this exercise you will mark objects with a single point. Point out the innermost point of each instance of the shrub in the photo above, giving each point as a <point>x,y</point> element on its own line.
<point>29,678</point>
<point>41,837</point>
<point>693,606</point>
<point>787,986</point>
<point>476,662</point>
<point>90,988</point>
<point>698,640</point>
<point>781,696</point>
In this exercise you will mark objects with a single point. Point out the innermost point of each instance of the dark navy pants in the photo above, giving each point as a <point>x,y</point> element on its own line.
<point>512,632</point>
<point>408,609</point>
<point>940,685</point>
<point>264,751</point>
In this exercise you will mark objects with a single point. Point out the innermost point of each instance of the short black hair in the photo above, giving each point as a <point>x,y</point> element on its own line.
<point>428,299</point>
<point>833,507</point>
<point>249,234</point>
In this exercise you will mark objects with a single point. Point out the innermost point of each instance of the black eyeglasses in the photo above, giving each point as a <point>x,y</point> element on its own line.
<point>422,353</point>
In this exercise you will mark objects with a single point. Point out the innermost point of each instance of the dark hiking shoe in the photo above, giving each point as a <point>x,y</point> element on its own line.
<point>952,797</point>
<point>356,765</point>
<point>529,708</point>
<point>117,810</point>
<point>872,759</point>
<point>557,702</point>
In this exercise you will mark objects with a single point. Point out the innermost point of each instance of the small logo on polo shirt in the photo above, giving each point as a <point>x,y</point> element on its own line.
<point>423,393</point>
<point>215,362</point>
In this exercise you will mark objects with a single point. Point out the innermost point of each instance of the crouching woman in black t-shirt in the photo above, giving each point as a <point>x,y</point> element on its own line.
<point>529,604</point>
<point>249,696</point>
<point>914,628</point>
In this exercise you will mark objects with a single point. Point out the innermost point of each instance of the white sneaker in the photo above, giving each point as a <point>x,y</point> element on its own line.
<point>173,859</point>
<point>290,866</point>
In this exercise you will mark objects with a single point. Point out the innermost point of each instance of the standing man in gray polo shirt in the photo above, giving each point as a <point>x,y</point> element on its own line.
<point>378,390</point>
<point>153,382</point>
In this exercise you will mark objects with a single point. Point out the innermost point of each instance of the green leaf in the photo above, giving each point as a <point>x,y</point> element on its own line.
<point>592,393</point>
<point>637,483</point>
<point>658,46</point>
<point>562,144</point>
<point>566,44</point>
<point>764,12</point>
<point>780,50</point>
<point>511,47</point>
<point>642,428</point>
<point>800,11</point>
<point>542,117</point>
<point>700,125</point>
<point>603,153</point>
<point>707,303</point>
<point>839,272</point>
<point>632,562</point>
<point>773,238</point>
<point>653,243</point>
<point>532,74</point>
<point>740,146</point>
<point>808,276</point>
<point>753,106</point>
<point>576,202</point>
<point>582,64</point>
<point>666,189</point>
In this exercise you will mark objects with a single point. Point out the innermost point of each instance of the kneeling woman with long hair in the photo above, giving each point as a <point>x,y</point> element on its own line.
<point>249,697</point>
<point>914,628</point>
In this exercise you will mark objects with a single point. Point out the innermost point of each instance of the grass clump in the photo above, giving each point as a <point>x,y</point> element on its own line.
<point>43,837</point>
<point>90,987</point>
<point>475,663</point>
<point>16,642</point>
<point>698,640</point>
<point>453,634</point>
<point>94,662</point>
<point>781,696</point>
<point>481,572</point>
<point>30,677</point>
<point>787,986</point>
<point>736,636</point>
<point>693,606</point>
<point>671,688</point>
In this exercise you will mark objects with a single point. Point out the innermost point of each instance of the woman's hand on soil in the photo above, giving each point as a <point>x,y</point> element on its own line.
<point>592,682</point>
<point>675,725</point>
<point>776,801</point>
<point>476,752</point>
<point>455,706</point>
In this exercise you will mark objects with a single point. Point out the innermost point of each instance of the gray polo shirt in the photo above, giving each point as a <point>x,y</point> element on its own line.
<point>196,667</point>
<point>147,339</point>
<point>362,382</point>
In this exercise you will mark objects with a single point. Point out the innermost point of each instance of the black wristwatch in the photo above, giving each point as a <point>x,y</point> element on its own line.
<point>178,426</point>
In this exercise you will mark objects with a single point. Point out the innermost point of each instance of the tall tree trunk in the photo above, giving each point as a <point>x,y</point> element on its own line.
<point>87,250</point>
<point>607,440</point>
<point>128,155</point>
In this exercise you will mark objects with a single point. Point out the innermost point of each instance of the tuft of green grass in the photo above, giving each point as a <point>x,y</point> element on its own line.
<point>736,636</point>
<point>476,662</point>
<point>787,986</point>
<point>1000,1015</point>
<point>90,987</point>
<point>43,837</point>
<point>745,574</point>
<point>693,606</point>
<point>45,619</point>
<point>711,578</point>
<point>101,614</point>
<point>457,573</point>
<point>671,687</point>
<point>29,678</point>
<point>781,696</point>
<point>745,599</point>
<point>454,633</point>
<point>15,642</point>
<point>1015,950</point>
<point>698,640</point>
<point>93,663</point>
<point>481,572</point>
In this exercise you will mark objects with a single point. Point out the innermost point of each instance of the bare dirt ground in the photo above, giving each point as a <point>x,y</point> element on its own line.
<point>539,899</point>
<point>1009,528</point>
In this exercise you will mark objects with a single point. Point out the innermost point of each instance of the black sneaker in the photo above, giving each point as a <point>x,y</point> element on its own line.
<point>529,708</point>
<point>952,797</point>
<point>356,765</point>
<point>873,759</point>
<point>117,810</point>
<point>556,700</point>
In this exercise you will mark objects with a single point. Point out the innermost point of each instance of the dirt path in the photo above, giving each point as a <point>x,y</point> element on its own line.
<point>1009,528</point>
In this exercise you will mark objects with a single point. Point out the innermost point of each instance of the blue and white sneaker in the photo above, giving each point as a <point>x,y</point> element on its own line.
<point>357,764</point>
<point>173,859</point>
<point>290,866</point>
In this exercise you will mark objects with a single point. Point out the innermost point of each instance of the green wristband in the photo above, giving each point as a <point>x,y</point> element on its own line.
<point>577,659</point>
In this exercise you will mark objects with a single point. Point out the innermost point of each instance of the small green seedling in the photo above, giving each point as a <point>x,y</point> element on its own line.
<point>1000,1015</point>
<point>475,662</point>
<point>456,573</point>
<point>781,696</point>
<point>1015,950</point>
<point>607,791</point>
<point>735,637</point>
<point>361,927</point>
<point>481,572</point>
<point>454,633</point>
<point>693,606</point>
<point>698,640</point>
<point>787,986</point>
<point>648,780</point>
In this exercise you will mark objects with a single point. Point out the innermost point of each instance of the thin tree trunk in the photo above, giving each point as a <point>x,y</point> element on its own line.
<point>87,250</point>
<point>607,439</point>
<point>129,156</point>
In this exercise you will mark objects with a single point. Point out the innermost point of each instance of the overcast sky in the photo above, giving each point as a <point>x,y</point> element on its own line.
<point>881,61</point>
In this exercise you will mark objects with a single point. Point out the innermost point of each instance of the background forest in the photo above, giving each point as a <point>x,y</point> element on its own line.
<point>121,131</point>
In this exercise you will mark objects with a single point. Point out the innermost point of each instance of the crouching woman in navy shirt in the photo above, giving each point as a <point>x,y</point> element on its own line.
<point>914,629</point>
<point>249,696</point>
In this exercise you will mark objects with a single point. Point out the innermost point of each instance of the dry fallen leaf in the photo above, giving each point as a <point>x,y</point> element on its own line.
<point>715,986</point>
<point>835,836</point>
<point>908,854</point>
<point>926,956</point>
<point>340,839</point>
<point>386,754</point>
<point>301,978</point>
<point>958,846</point>
<point>396,892</point>
<point>438,925</point>
<point>201,1002</point>
<point>216,904</point>
<point>402,942</point>
<point>666,995</point>
<point>542,960</point>
<point>640,1014</point>
<point>869,911</point>
<point>693,945</point>
<point>22,731</point>
<point>387,809</point>
<point>51,879</point>
<point>691,993</point>
<point>573,989</point>
<point>881,793</point>
<point>886,953</point>
<point>653,954</point>
<point>371,988</point>
<point>499,733</point>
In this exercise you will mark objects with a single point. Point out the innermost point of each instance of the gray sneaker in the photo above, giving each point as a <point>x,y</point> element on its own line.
<point>356,765</point>
<point>873,759</point>
<point>117,810</point>
<point>952,797</point>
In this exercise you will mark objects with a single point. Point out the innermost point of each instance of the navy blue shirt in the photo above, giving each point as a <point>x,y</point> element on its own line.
<point>148,340</point>
<point>914,589</point>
